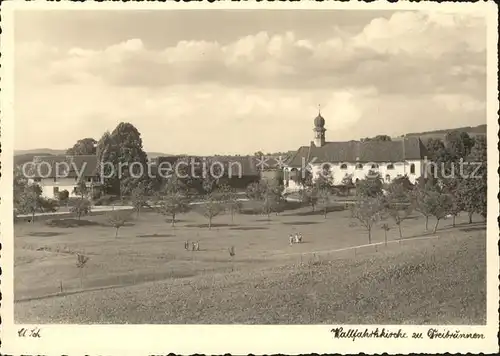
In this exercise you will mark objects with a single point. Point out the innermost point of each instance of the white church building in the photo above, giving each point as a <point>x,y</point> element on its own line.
<point>355,159</point>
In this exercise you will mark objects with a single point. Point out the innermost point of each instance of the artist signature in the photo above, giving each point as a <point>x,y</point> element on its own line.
<point>24,332</point>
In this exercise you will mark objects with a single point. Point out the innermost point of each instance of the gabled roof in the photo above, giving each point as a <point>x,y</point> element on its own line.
<point>248,164</point>
<point>357,151</point>
<point>52,166</point>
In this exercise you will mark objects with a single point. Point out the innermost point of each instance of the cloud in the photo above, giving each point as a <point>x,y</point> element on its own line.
<point>409,46</point>
<point>411,71</point>
<point>184,118</point>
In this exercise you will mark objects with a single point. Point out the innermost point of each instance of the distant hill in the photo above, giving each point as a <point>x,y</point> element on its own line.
<point>158,154</point>
<point>473,131</point>
<point>23,156</point>
<point>28,157</point>
<point>39,152</point>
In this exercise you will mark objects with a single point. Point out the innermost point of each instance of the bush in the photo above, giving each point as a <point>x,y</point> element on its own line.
<point>48,205</point>
<point>63,195</point>
<point>97,194</point>
<point>107,200</point>
<point>83,207</point>
<point>73,201</point>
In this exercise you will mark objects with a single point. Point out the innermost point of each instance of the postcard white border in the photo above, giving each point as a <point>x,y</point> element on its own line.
<point>235,339</point>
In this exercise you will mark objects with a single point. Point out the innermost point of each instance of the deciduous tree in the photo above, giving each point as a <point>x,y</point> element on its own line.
<point>212,207</point>
<point>124,156</point>
<point>139,197</point>
<point>85,146</point>
<point>473,190</point>
<point>398,203</point>
<point>82,207</point>
<point>29,200</point>
<point>173,199</point>
<point>367,210</point>
<point>117,219</point>
<point>371,186</point>
<point>230,198</point>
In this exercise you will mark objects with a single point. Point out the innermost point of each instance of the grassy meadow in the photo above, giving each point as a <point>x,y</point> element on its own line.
<point>145,275</point>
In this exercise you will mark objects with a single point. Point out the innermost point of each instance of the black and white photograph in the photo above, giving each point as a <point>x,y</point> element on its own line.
<point>321,166</point>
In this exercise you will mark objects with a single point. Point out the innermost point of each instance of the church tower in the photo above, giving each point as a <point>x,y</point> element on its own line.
<point>319,130</point>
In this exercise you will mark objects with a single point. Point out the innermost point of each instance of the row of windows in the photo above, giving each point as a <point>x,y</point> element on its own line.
<point>387,179</point>
<point>374,166</point>
<point>87,179</point>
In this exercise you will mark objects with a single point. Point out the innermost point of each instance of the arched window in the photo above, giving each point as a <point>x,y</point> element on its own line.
<point>359,166</point>
<point>357,180</point>
<point>343,166</point>
<point>390,166</point>
<point>387,178</point>
<point>412,168</point>
<point>374,166</point>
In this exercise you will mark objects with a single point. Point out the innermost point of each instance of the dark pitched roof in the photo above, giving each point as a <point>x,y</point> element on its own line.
<point>247,163</point>
<point>369,151</point>
<point>50,166</point>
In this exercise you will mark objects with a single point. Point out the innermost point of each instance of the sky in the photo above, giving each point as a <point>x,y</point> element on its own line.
<point>237,82</point>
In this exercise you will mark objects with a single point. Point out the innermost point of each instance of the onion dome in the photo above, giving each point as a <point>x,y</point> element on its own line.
<point>319,121</point>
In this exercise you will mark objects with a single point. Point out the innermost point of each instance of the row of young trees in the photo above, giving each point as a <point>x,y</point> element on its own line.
<point>174,198</point>
<point>455,182</point>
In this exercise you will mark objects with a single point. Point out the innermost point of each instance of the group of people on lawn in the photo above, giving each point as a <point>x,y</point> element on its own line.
<point>295,239</point>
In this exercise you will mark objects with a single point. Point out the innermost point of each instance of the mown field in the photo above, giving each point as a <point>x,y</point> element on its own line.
<point>146,276</point>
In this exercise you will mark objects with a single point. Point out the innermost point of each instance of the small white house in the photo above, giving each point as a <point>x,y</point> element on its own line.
<point>355,159</point>
<point>57,173</point>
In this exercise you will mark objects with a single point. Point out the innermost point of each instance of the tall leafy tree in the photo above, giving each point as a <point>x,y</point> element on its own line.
<point>377,138</point>
<point>19,184</point>
<point>123,148</point>
<point>129,145</point>
<point>473,190</point>
<point>106,160</point>
<point>459,144</point>
<point>435,148</point>
<point>85,146</point>
<point>29,200</point>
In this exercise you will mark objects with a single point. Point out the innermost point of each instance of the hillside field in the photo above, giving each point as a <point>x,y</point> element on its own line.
<point>146,276</point>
